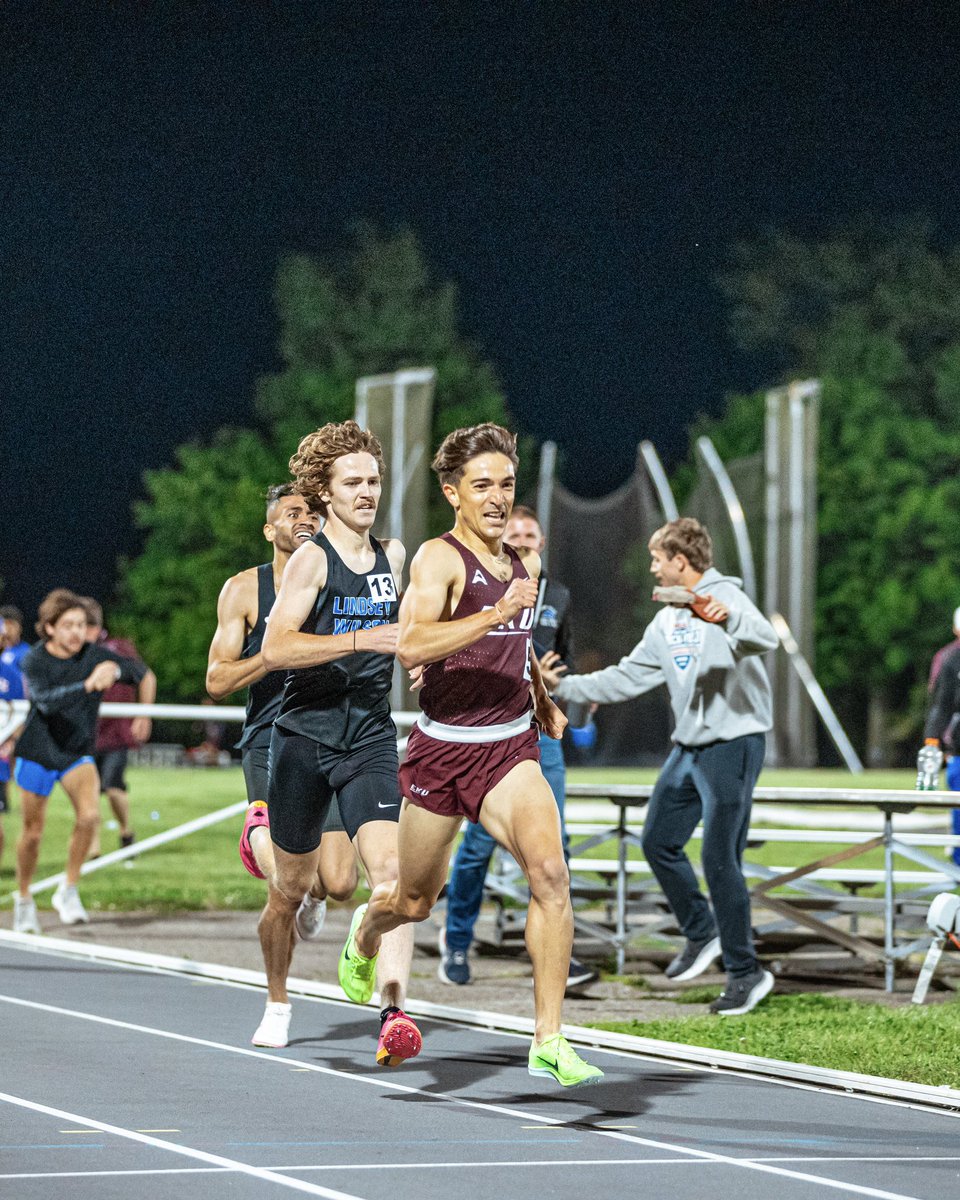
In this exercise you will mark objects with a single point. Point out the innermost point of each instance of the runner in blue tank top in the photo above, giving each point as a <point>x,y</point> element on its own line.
<point>235,662</point>
<point>334,629</point>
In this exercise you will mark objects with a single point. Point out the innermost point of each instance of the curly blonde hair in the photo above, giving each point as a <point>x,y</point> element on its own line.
<point>312,464</point>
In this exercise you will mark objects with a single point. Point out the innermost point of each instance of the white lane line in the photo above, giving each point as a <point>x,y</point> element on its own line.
<point>264,1173</point>
<point>379,1082</point>
<point>459,1166</point>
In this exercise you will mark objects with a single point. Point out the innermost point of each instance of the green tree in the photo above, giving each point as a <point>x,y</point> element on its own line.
<point>875,314</point>
<point>371,310</point>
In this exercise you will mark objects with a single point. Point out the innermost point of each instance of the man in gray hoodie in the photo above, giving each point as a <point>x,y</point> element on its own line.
<point>705,646</point>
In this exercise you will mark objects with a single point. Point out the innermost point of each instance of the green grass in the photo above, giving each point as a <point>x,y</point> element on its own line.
<point>202,871</point>
<point>912,1043</point>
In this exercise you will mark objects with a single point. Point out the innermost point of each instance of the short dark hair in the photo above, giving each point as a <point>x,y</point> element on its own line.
<point>54,605</point>
<point>459,447</point>
<point>277,492</point>
<point>688,537</point>
<point>525,511</point>
<point>10,612</point>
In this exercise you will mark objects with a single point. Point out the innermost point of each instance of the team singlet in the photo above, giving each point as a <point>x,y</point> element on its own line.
<point>345,703</point>
<point>488,683</point>
<point>263,697</point>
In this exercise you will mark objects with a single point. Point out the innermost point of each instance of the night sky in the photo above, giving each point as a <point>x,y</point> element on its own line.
<point>580,171</point>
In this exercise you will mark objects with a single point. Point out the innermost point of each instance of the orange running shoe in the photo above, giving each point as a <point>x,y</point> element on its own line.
<point>399,1039</point>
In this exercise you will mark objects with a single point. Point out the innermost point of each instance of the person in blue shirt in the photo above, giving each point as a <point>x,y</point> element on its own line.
<point>12,650</point>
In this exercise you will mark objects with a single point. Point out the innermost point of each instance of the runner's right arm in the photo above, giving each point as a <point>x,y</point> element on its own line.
<point>226,671</point>
<point>285,647</point>
<point>425,636</point>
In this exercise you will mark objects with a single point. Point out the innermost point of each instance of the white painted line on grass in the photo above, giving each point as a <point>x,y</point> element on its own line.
<point>379,1082</point>
<point>264,1173</point>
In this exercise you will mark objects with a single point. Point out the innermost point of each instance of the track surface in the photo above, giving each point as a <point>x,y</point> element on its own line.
<point>119,1083</point>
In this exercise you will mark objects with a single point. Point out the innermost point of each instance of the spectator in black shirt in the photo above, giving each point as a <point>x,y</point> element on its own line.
<point>66,677</point>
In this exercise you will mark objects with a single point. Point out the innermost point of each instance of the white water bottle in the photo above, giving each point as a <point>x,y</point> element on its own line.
<point>929,762</point>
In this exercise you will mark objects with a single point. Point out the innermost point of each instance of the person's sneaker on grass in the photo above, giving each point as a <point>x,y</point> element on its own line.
<point>310,917</point>
<point>273,1031</point>
<point>25,919</point>
<point>579,975</point>
<point>454,967</point>
<point>693,960</point>
<point>743,993</point>
<point>256,818</point>
<point>355,972</point>
<point>67,902</point>
<point>399,1038</point>
<point>556,1059</point>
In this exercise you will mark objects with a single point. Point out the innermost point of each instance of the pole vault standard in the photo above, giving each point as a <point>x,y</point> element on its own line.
<point>15,711</point>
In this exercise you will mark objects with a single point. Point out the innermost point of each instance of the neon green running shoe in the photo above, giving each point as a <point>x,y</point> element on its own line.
<point>356,973</point>
<point>556,1059</point>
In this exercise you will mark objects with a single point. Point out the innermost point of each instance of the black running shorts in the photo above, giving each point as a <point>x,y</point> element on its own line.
<point>112,768</point>
<point>255,762</point>
<point>304,775</point>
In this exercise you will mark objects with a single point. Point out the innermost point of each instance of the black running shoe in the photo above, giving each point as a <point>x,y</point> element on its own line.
<point>693,960</point>
<point>743,993</point>
<point>579,975</point>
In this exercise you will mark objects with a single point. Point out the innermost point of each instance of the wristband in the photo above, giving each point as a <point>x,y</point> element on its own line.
<point>496,609</point>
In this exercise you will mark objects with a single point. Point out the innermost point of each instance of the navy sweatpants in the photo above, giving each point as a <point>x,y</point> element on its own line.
<point>715,782</point>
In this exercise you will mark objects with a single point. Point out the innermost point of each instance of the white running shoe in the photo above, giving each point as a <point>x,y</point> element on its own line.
<point>25,919</point>
<point>310,917</point>
<point>273,1029</point>
<point>67,903</point>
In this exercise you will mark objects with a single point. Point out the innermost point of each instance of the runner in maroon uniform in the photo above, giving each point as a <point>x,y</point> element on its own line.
<point>466,619</point>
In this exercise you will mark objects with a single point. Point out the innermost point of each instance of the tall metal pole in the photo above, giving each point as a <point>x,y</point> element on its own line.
<point>728,493</point>
<point>548,467</point>
<point>658,477</point>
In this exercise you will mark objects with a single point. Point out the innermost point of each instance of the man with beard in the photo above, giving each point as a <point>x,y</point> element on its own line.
<point>235,661</point>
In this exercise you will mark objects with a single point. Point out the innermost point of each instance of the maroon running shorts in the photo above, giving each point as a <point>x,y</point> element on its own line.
<point>452,778</point>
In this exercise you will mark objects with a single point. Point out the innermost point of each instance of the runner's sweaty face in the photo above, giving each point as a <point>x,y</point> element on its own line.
<point>483,495</point>
<point>68,633</point>
<point>291,523</point>
<point>353,494</point>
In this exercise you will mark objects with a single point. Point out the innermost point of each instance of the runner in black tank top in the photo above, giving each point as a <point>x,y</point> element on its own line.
<point>466,619</point>
<point>236,661</point>
<point>263,695</point>
<point>334,629</point>
<point>345,704</point>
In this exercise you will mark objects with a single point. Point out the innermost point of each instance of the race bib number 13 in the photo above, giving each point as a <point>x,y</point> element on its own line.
<point>382,588</point>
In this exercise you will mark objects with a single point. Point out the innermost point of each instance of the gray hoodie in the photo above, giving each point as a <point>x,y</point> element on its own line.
<point>718,686</point>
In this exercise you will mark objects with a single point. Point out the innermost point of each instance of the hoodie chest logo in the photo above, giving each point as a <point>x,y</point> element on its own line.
<point>684,641</point>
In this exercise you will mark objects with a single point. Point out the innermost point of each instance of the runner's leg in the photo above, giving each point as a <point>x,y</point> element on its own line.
<point>424,842</point>
<point>82,785</point>
<point>34,810</point>
<point>376,843</point>
<point>521,813</point>
<point>286,886</point>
